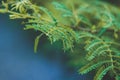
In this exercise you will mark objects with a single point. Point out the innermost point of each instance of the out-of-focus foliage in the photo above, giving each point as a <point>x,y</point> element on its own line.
<point>89,28</point>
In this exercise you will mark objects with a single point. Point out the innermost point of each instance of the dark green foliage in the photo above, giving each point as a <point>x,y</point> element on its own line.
<point>93,25</point>
<point>117,78</point>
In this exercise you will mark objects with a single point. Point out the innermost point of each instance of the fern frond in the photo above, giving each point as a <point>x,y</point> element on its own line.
<point>92,65</point>
<point>100,49</point>
<point>85,35</point>
<point>92,44</point>
<point>54,34</point>
<point>101,72</point>
<point>65,34</point>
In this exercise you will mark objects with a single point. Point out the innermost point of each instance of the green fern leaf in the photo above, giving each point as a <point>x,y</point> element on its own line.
<point>100,50</point>
<point>102,72</point>
<point>65,34</point>
<point>82,35</point>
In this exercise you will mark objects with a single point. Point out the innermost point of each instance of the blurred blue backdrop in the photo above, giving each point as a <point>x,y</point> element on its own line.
<point>19,62</point>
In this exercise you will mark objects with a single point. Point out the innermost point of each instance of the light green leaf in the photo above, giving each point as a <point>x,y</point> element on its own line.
<point>37,42</point>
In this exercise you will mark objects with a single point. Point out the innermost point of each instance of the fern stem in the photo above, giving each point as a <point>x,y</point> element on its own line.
<point>116,56</point>
<point>24,16</point>
<point>111,58</point>
<point>20,14</point>
<point>75,15</point>
<point>115,43</point>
